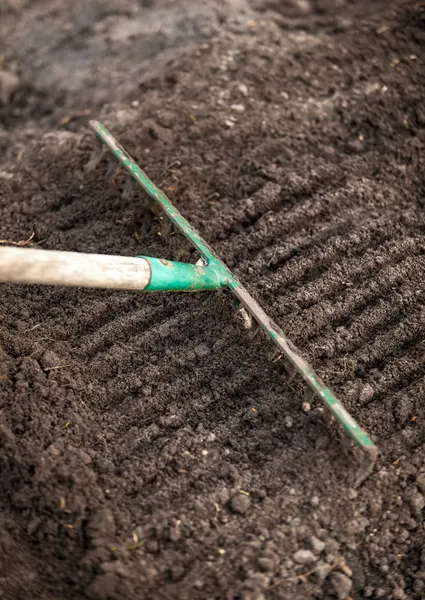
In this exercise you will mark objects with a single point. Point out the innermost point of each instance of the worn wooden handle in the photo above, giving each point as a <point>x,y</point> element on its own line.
<point>48,267</point>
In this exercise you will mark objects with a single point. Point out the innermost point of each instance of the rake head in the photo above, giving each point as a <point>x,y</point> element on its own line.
<point>20,265</point>
<point>252,311</point>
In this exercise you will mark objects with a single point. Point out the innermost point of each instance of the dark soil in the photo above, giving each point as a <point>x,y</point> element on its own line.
<point>149,447</point>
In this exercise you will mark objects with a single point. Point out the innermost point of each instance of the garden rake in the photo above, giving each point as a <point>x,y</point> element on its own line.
<point>22,265</point>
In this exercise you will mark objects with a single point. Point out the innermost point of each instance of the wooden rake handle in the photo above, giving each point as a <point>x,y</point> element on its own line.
<point>48,267</point>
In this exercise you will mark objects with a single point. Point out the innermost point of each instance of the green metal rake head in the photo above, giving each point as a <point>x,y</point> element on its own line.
<point>21,265</point>
<point>226,278</point>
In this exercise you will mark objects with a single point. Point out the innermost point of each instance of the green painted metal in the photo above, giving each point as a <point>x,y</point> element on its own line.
<point>244,299</point>
<point>170,276</point>
<point>316,385</point>
<point>161,199</point>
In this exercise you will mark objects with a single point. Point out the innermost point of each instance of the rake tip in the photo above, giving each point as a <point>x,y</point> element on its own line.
<point>370,458</point>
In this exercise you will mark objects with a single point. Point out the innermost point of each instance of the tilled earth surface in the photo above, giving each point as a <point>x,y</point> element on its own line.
<point>149,446</point>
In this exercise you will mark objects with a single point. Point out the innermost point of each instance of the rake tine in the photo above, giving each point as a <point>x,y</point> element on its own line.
<point>166,226</point>
<point>255,330</point>
<point>95,158</point>
<point>236,305</point>
<point>292,374</point>
<point>128,190</point>
<point>112,170</point>
<point>309,396</point>
<point>246,317</point>
<point>275,355</point>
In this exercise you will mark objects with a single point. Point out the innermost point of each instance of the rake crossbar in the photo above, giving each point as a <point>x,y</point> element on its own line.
<point>276,335</point>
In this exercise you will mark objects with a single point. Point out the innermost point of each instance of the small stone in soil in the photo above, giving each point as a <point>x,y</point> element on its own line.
<point>243,89</point>
<point>314,501</point>
<point>304,6</point>
<point>366,393</point>
<point>258,596</point>
<point>322,571</point>
<point>417,502</point>
<point>257,582</point>
<point>317,545</point>
<point>49,359</point>
<point>202,351</point>
<point>289,421</point>
<point>341,585</point>
<point>403,409</point>
<point>266,564</point>
<point>420,482</point>
<point>304,557</point>
<point>240,503</point>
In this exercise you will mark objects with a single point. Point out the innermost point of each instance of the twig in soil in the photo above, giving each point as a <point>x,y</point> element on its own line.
<point>27,242</point>
<point>56,367</point>
<point>136,546</point>
<point>32,328</point>
<point>75,115</point>
<point>296,578</point>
